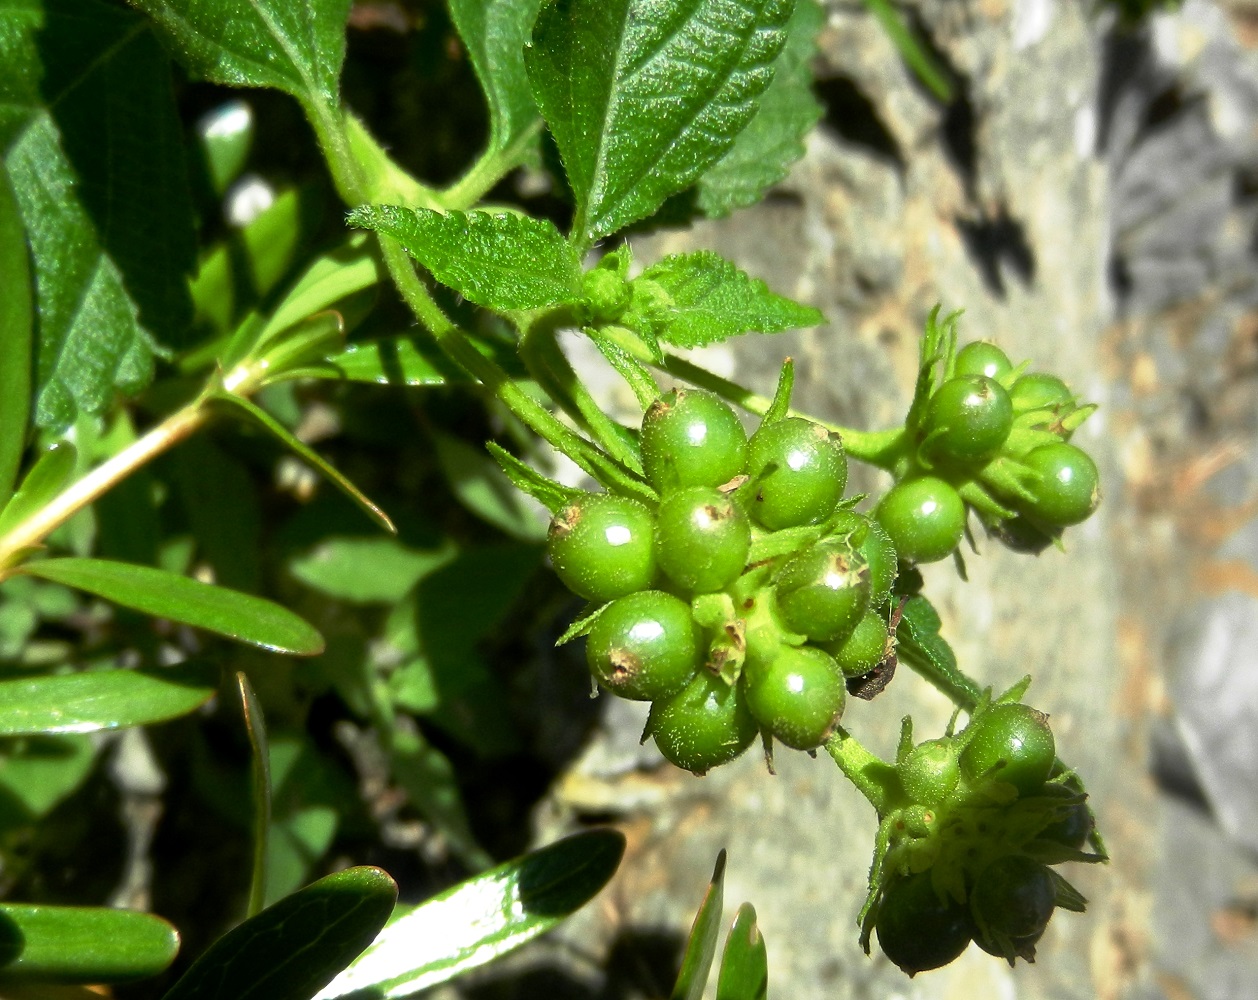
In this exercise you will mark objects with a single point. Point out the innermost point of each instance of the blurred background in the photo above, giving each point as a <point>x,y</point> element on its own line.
<point>1081,179</point>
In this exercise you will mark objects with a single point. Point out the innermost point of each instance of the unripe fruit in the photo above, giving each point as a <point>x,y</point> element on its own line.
<point>643,646</point>
<point>701,539</point>
<point>799,472</point>
<point>1069,488</point>
<point>982,358</point>
<point>691,438</point>
<point>968,419</point>
<point>703,726</point>
<point>823,591</point>
<point>603,546</point>
<point>798,697</point>
<point>1010,742</point>
<point>924,517</point>
<point>864,649</point>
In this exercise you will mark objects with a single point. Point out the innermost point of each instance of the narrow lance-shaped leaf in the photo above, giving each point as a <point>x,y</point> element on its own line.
<point>642,96</point>
<point>764,151</point>
<point>46,478</point>
<point>295,947</point>
<point>156,592</point>
<point>391,361</point>
<point>309,455</point>
<point>550,494</point>
<point>494,34</point>
<point>482,918</point>
<point>82,944</point>
<point>260,781</point>
<point>495,259</point>
<point>16,331</point>
<point>102,699</point>
<point>713,300</point>
<point>294,47</point>
<point>744,971</point>
<point>701,947</point>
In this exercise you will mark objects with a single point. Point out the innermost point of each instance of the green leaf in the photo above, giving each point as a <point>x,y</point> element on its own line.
<point>696,963</point>
<point>331,278</point>
<point>260,789</point>
<point>294,948</point>
<point>713,300</point>
<point>498,260</point>
<point>392,361</point>
<point>764,151</point>
<point>226,521</point>
<point>780,407</point>
<point>155,592</point>
<point>745,964</point>
<point>41,771</point>
<point>494,34</point>
<point>914,54</point>
<point>636,374</point>
<point>366,570</point>
<point>82,944</point>
<point>294,47</point>
<point>483,489</point>
<point>642,96</point>
<point>919,644</point>
<point>47,477</point>
<point>226,136</point>
<point>308,455</point>
<point>102,699</point>
<point>480,919</point>
<point>16,331</point>
<point>550,494</point>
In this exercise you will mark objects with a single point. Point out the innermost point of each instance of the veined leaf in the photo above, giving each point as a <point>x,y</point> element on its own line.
<point>102,699</point>
<point>919,644</point>
<point>16,332</point>
<point>482,918</point>
<point>494,34</point>
<point>82,944</point>
<point>294,47</point>
<point>332,277</point>
<point>156,592</point>
<point>642,96</point>
<point>392,361</point>
<point>701,947</point>
<point>713,300</point>
<point>46,478</point>
<point>774,139</point>
<point>295,947</point>
<point>498,260</point>
<point>744,965</point>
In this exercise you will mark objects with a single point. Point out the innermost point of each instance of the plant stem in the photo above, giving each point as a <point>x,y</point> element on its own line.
<point>492,167</point>
<point>880,448</point>
<point>347,174</point>
<point>32,532</point>
<point>873,777</point>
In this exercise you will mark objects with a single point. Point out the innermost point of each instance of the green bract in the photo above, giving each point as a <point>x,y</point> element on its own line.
<point>642,647</point>
<point>1010,742</point>
<point>701,539</point>
<point>603,546</point>
<point>799,473</point>
<point>705,725</point>
<point>968,419</point>
<point>798,697</point>
<point>823,591</point>
<point>982,358</point>
<point>924,518</point>
<point>691,438</point>
<point>1069,487</point>
<point>918,929</point>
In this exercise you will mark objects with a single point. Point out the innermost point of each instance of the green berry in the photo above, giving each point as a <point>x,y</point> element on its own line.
<point>982,358</point>
<point>703,726</point>
<point>968,419</point>
<point>603,546</point>
<point>1069,487</point>
<point>799,472</point>
<point>924,518</point>
<point>823,591</point>
<point>1010,742</point>
<point>691,438</point>
<point>1039,391</point>
<point>797,697</point>
<point>643,646</point>
<point>930,771</point>
<point>701,539</point>
<point>917,928</point>
<point>864,649</point>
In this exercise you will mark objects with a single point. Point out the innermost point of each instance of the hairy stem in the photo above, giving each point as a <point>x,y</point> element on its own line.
<point>873,777</point>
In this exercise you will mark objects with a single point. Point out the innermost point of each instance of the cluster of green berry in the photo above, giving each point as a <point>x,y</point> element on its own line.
<point>977,819</point>
<point>995,438</point>
<point>743,602</point>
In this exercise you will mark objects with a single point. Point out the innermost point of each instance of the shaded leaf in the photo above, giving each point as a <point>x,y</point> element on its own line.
<point>43,770</point>
<point>483,489</point>
<point>366,570</point>
<point>392,361</point>
<point>498,260</point>
<point>260,789</point>
<point>103,699</point>
<point>494,34</point>
<point>294,47</point>
<point>226,521</point>
<point>47,477</point>
<point>696,963</point>
<point>478,920</point>
<point>238,616</point>
<point>919,644</point>
<point>713,300</point>
<point>642,96</point>
<point>82,944</point>
<point>745,964</point>
<point>295,947</point>
<point>774,139</point>
<point>16,338</point>
<point>331,278</point>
